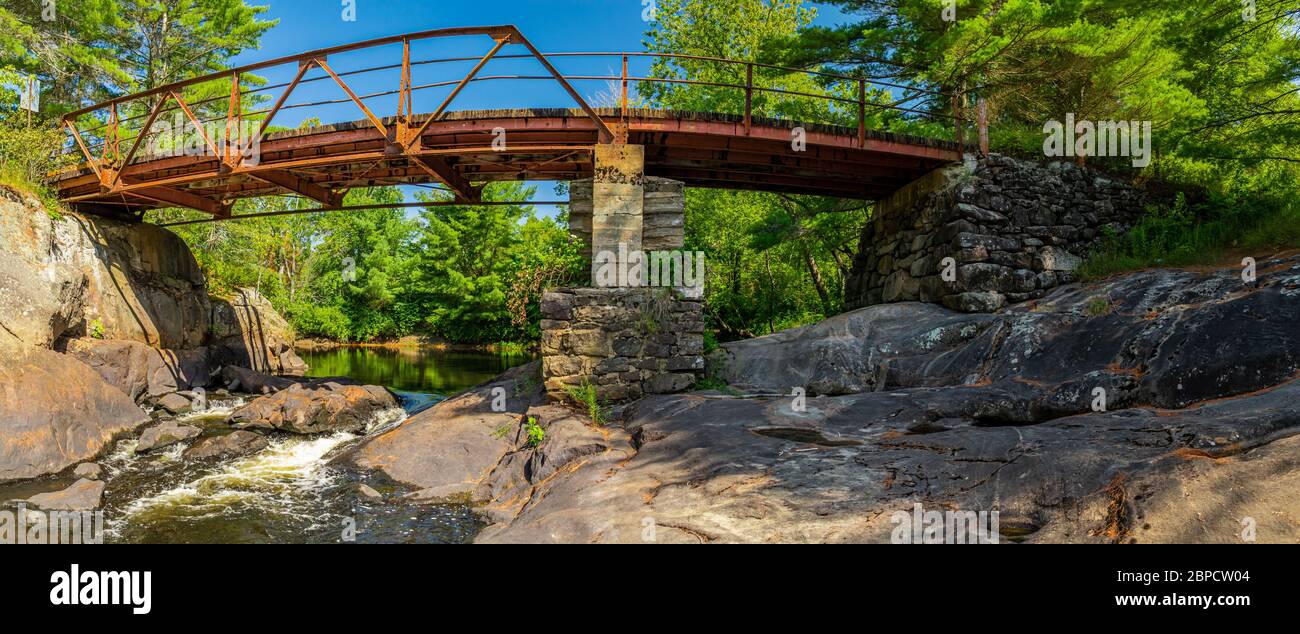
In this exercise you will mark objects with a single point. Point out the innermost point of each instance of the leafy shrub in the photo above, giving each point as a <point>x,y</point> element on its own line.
<point>534,431</point>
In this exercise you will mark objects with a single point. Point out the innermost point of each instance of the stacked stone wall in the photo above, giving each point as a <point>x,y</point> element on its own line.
<point>627,342</point>
<point>1013,228</point>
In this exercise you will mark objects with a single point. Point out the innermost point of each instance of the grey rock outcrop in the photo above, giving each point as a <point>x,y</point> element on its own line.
<point>249,333</point>
<point>89,471</point>
<point>71,276</point>
<point>449,449</point>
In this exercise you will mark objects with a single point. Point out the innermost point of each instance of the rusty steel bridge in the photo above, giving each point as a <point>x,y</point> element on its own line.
<point>112,174</point>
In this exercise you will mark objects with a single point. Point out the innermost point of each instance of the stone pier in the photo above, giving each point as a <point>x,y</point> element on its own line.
<point>627,341</point>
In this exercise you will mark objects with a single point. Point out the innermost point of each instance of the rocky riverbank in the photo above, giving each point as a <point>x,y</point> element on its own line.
<point>1159,406</point>
<point>101,322</point>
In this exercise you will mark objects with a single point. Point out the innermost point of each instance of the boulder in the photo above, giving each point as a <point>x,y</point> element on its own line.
<point>452,447</point>
<point>232,445</point>
<point>165,435</point>
<point>175,403</point>
<point>315,408</point>
<point>244,380</point>
<point>89,471</point>
<point>56,412</point>
<point>691,468</point>
<point>83,495</point>
<point>1151,337</point>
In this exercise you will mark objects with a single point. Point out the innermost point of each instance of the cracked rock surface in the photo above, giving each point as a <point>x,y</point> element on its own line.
<point>913,403</point>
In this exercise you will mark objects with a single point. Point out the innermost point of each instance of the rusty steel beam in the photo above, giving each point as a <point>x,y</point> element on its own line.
<point>300,186</point>
<point>440,169</point>
<point>704,151</point>
<point>301,57</point>
<point>199,126</point>
<point>178,198</point>
<point>261,130</point>
<point>76,134</point>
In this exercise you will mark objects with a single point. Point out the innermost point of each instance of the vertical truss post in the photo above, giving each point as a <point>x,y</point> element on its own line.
<point>862,113</point>
<point>404,110</point>
<point>749,97</point>
<point>621,134</point>
<point>232,113</point>
<point>110,155</point>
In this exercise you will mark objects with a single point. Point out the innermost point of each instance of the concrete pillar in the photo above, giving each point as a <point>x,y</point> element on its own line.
<point>623,205</point>
<point>618,204</point>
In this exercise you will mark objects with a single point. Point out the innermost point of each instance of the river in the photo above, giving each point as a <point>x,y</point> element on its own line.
<point>288,492</point>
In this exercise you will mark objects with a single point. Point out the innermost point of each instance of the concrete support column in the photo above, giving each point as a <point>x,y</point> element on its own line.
<point>618,203</point>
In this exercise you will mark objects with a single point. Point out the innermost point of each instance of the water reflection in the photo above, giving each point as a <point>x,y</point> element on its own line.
<point>427,370</point>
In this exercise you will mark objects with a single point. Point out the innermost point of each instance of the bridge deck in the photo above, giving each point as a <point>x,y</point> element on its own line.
<point>700,149</point>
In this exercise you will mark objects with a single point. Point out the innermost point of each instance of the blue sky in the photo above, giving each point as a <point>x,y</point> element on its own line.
<point>551,25</point>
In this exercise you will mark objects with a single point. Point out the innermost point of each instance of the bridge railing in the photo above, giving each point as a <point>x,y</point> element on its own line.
<point>111,128</point>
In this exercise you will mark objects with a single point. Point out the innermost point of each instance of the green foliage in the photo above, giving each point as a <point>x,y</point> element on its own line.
<point>654,312</point>
<point>97,329</point>
<point>1183,235</point>
<point>28,154</point>
<point>710,341</point>
<point>534,432</point>
<point>481,270</point>
<point>584,394</point>
<point>459,273</point>
<point>773,262</point>
<point>526,385</point>
<point>1220,90</point>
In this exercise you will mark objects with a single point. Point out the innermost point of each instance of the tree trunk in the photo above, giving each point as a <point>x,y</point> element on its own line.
<point>816,278</point>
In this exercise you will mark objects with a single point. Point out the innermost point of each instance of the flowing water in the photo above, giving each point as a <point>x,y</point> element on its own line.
<point>288,492</point>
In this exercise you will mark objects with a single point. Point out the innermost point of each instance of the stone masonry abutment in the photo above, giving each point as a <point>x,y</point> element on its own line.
<point>987,232</point>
